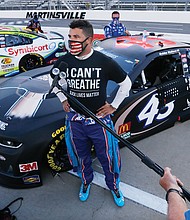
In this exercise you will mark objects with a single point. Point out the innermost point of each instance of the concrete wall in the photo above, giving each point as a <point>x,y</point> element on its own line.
<point>161,16</point>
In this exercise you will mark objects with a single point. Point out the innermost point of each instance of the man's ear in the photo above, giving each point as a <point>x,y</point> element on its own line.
<point>90,40</point>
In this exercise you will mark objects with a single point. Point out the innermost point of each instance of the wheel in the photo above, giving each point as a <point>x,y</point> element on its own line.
<point>31,61</point>
<point>57,157</point>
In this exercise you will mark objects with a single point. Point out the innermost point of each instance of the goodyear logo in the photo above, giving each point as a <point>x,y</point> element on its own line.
<point>124,128</point>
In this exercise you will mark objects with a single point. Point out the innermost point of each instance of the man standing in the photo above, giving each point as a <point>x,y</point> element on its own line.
<point>87,74</point>
<point>115,28</point>
<point>34,24</point>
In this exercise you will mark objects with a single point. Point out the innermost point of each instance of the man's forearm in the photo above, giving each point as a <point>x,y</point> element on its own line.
<point>176,207</point>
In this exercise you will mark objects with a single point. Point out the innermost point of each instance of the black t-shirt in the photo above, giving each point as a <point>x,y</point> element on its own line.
<point>87,79</point>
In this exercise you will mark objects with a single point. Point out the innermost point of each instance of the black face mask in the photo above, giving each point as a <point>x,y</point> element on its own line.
<point>76,47</point>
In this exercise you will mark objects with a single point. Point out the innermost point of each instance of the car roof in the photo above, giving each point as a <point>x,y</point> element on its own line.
<point>20,31</point>
<point>134,46</point>
<point>128,51</point>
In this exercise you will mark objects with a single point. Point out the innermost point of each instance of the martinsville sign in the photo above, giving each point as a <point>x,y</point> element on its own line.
<point>149,16</point>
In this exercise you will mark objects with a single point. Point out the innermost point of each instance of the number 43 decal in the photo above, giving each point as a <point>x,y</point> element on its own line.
<point>151,111</point>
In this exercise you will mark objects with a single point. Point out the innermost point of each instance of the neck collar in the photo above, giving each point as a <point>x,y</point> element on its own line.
<point>85,56</point>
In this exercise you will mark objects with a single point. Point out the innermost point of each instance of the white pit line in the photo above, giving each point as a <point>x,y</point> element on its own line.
<point>129,192</point>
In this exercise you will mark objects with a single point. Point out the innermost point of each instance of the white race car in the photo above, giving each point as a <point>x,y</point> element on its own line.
<point>22,49</point>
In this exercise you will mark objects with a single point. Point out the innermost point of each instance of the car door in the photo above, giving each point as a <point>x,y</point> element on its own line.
<point>157,100</point>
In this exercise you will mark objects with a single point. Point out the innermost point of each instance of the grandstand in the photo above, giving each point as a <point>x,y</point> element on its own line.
<point>158,5</point>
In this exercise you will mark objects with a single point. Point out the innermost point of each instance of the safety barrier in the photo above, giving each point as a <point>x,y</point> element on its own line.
<point>154,16</point>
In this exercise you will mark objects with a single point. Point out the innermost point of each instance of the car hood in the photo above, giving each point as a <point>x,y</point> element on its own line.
<point>26,96</point>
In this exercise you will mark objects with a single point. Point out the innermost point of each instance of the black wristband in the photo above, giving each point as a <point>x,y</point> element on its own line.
<point>176,191</point>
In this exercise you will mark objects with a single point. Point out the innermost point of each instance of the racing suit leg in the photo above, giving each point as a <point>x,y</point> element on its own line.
<point>104,151</point>
<point>83,147</point>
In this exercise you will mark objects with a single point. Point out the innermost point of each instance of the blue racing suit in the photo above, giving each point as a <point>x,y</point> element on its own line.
<point>187,215</point>
<point>87,82</point>
<point>81,134</point>
<point>114,30</point>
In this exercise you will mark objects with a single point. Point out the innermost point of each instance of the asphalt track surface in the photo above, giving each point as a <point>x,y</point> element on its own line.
<point>144,198</point>
<point>179,28</point>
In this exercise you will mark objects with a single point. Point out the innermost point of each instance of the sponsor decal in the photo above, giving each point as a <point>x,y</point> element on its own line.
<point>124,128</point>
<point>152,111</point>
<point>2,45</point>
<point>183,55</point>
<point>5,28</point>
<point>184,60</point>
<point>60,14</point>
<point>6,60</point>
<point>50,155</point>
<point>169,52</point>
<point>61,45</point>
<point>188,105</point>
<point>60,54</point>
<point>3,125</point>
<point>31,179</point>
<point>52,46</point>
<point>7,66</point>
<point>126,135</point>
<point>28,49</point>
<point>58,131</point>
<point>27,167</point>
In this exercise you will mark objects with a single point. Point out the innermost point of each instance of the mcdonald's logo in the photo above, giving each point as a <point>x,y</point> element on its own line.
<point>124,128</point>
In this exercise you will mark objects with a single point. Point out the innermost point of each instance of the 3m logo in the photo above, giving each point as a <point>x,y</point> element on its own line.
<point>124,128</point>
<point>28,167</point>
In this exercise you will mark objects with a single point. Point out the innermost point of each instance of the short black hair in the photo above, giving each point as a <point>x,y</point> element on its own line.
<point>115,12</point>
<point>35,16</point>
<point>85,25</point>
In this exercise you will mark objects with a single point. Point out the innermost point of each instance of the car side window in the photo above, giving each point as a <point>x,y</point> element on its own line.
<point>14,40</point>
<point>163,69</point>
<point>2,41</point>
<point>159,70</point>
<point>140,83</point>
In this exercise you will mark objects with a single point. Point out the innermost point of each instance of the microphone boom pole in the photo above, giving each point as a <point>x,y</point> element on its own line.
<point>145,159</point>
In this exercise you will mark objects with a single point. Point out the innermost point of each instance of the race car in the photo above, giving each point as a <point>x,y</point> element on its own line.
<point>22,49</point>
<point>32,120</point>
<point>159,71</point>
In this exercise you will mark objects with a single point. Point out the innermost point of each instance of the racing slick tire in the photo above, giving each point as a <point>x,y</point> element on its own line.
<point>31,61</point>
<point>57,157</point>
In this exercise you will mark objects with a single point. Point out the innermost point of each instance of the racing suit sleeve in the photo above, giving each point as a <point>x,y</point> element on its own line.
<point>29,25</point>
<point>122,93</point>
<point>39,27</point>
<point>107,31</point>
<point>187,215</point>
<point>58,92</point>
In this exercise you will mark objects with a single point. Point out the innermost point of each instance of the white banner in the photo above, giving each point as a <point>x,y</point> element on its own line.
<point>149,16</point>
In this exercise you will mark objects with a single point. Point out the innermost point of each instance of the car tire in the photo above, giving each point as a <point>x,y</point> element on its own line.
<point>31,61</point>
<point>57,157</point>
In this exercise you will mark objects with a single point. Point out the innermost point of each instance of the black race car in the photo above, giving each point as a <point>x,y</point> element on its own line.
<point>32,120</point>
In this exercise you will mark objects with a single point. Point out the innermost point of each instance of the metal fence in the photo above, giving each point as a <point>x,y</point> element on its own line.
<point>157,5</point>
